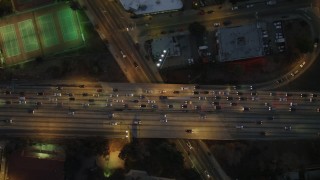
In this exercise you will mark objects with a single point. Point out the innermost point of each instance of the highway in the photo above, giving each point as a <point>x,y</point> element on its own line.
<point>120,43</point>
<point>156,111</point>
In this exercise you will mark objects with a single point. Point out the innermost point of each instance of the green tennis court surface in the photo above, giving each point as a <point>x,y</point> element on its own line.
<point>47,30</point>
<point>28,35</point>
<point>10,40</point>
<point>68,25</point>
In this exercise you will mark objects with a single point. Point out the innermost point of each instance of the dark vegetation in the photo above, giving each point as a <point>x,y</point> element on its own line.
<point>253,160</point>
<point>78,149</point>
<point>5,7</point>
<point>158,157</point>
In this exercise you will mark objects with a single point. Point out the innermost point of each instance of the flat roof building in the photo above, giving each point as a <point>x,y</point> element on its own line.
<point>140,7</point>
<point>240,42</point>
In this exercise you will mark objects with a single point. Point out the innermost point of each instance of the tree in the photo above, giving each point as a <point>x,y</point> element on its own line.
<point>196,29</point>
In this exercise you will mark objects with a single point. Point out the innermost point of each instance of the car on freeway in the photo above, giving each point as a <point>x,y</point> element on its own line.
<point>246,109</point>
<point>170,106</point>
<point>303,95</point>
<point>239,126</point>
<point>135,101</point>
<point>92,100</point>
<point>282,99</point>
<point>204,92</point>
<point>143,106</point>
<point>216,103</point>
<point>8,121</point>
<point>210,11</point>
<point>292,109</point>
<point>71,113</point>
<point>164,120</point>
<point>175,92</point>
<point>123,54</point>
<point>142,96</point>
<point>203,116</point>
<point>207,175</point>
<point>293,104</point>
<point>85,94</point>
<point>81,86</point>
<point>263,133</point>
<point>233,104</point>
<point>114,123</point>
<point>99,90</point>
<point>135,64</point>
<point>260,122</point>
<point>272,94</point>
<point>137,122</point>
<point>8,102</point>
<point>229,98</point>
<point>217,107</point>
<point>32,111</point>
<point>154,106</point>
<point>270,108</point>
<point>202,98</point>
<point>242,98</point>
<point>7,92</point>
<point>40,93</point>
<point>313,95</point>
<point>184,106</point>
<point>189,131</point>
<point>60,87</point>
<point>287,128</point>
<point>312,99</point>
<point>56,94</point>
<point>249,5</point>
<point>302,64</point>
<point>270,118</point>
<point>234,8</point>
<point>318,109</point>
<point>289,94</point>
<point>38,103</point>
<point>196,92</point>
<point>254,93</point>
<point>239,93</point>
<point>109,105</point>
<point>217,24</point>
<point>189,145</point>
<point>217,97</point>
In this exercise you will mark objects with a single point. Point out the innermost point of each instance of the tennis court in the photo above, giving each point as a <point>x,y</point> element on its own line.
<point>47,30</point>
<point>28,36</point>
<point>10,40</point>
<point>68,25</point>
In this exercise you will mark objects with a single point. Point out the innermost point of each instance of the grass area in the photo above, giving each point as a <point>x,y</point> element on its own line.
<point>47,30</point>
<point>68,24</point>
<point>28,35</point>
<point>10,40</point>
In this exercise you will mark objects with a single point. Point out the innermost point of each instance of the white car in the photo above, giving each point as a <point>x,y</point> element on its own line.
<point>216,24</point>
<point>57,94</point>
<point>234,8</point>
<point>249,5</point>
<point>114,123</point>
<point>239,127</point>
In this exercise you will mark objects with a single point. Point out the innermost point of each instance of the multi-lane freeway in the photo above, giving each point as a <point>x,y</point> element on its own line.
<point>157,111</point>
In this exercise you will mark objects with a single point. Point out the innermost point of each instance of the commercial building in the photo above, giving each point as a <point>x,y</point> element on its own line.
<point>141,7</point>
<point>239,42</point>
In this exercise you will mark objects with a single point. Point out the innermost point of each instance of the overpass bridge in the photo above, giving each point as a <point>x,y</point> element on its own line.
<point>120,110</point>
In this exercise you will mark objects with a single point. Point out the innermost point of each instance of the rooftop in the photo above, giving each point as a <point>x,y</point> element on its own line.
<point>151,6</point>
<point>240,42</point>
